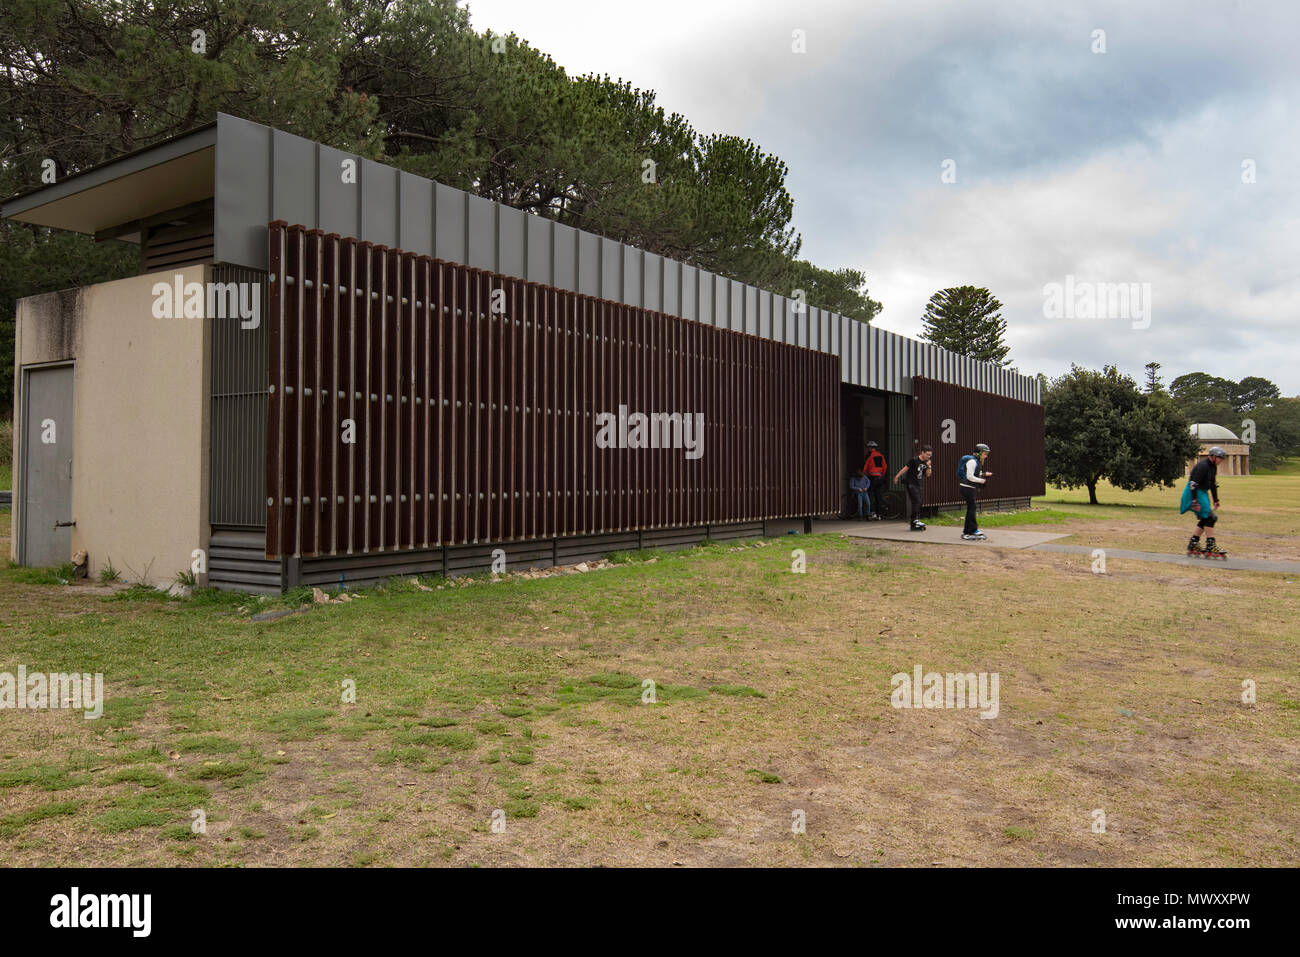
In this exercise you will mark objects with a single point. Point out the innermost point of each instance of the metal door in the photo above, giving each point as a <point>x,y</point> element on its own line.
<point>47,467</point>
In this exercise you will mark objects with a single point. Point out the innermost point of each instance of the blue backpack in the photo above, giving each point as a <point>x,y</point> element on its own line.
<point>961,466</point>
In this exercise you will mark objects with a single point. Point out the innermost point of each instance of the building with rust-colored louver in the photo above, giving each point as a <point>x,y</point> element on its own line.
<point>331,371</point>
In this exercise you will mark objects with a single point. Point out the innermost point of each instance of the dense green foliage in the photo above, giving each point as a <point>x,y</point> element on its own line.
<point>408,82</point>
<point>1253,408</point>
<point>967,320</point>
<point>1098,425</point>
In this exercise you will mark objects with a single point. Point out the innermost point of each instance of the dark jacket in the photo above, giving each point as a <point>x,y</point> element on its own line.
<point>1205,474</point>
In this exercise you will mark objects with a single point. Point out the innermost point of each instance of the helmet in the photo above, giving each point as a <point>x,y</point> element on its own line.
<point>872,445</point>
<point>981,447</point>
<point>1217,451</point>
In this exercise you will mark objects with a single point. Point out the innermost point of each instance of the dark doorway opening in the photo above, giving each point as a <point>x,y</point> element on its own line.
<point>867,415</point>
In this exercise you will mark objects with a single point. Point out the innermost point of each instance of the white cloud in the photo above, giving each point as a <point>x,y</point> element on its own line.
<point>1117,167</point>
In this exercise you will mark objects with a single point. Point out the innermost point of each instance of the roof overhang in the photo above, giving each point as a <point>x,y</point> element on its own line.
<point>175,173</point>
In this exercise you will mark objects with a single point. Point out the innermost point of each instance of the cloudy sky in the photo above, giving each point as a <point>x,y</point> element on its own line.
<point>1123,166</point>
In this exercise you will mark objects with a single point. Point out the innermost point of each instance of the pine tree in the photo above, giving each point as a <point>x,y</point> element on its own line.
<point>1153,380</point>
<point>966,320</point>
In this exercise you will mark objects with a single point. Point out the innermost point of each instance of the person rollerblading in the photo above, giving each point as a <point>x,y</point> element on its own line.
<point>971,475</point>
<point>916,469</point>
<point>1202,486</point>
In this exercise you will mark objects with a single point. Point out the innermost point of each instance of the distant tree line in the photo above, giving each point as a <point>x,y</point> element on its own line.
<point>1100,425</point>
<point>408,82</point>
<point>1254,409</point>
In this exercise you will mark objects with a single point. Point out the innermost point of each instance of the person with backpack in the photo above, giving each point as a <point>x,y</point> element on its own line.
<point>875,468</point>
<point>917,467</point>
<point>971,475</point>
<point>1201,484</point>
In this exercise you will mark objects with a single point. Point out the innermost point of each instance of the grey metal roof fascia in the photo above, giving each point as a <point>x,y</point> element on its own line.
<point>141,159</point>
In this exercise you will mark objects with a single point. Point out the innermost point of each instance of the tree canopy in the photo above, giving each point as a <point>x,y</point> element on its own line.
<point>967,320</point>
<point>407,82</point>
<point>1100,426</point>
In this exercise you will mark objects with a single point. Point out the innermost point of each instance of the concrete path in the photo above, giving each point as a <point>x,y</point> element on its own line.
<point>1242,564</point>
<point>896,531</point>
<point>936,534</point>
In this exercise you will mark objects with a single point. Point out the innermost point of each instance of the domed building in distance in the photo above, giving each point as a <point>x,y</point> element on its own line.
<point>1209,435</point>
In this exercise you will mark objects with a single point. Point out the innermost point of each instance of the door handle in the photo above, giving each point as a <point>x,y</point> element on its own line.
<point>65,524</point>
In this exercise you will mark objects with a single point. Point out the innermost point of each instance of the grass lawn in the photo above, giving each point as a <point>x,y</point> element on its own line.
<point>1119,693</point>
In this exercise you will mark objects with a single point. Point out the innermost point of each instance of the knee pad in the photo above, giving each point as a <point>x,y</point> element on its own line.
<point>1210,521</point>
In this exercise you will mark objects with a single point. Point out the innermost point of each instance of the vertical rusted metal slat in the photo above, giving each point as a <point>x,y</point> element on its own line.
<point>473,384</point>
<point>469,419</point>
<point>367,428</point>
<point>379,437</point>
<point>345,467</point>
<point>438,464</point>
<point>292,354</point>
<point>393,331</point>
<point>421,411</point>
<point>276,303</point>
<point>509,419</point>
<point>447,434</point>
<point>403,403</point>
<point>307,281</point>
<point>327,542</point>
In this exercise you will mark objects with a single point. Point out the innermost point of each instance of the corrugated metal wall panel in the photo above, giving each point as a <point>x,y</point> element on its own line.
<point>511,241</point>
<point>386,208</point>
<point>652,282</point>
<point>450,226</point>
<point>415,205</point>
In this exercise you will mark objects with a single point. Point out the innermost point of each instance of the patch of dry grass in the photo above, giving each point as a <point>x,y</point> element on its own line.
<point>1119,693</point>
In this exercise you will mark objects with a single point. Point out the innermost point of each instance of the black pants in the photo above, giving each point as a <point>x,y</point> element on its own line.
<point>968,494</point>
<point>914,502</point>
<point>877,483</point>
